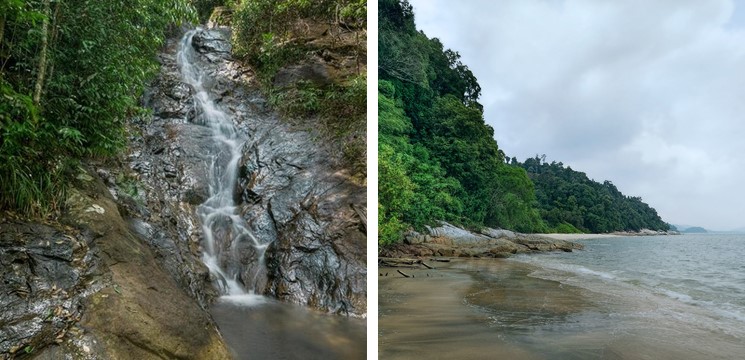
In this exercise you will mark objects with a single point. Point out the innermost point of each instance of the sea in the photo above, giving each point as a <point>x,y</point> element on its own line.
<point>683,295</point>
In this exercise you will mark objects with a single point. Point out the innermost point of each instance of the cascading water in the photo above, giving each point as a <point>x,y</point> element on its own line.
<point>223,228</point>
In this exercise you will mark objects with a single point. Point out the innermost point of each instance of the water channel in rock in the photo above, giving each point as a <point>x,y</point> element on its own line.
<point>222,226</point>
<point>252,324</point>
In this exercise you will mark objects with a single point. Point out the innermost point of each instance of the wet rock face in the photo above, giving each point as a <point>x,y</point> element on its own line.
<point>45,273</point>
<point>169,166</point>
<point>288,191</point>
<point>292,195</point>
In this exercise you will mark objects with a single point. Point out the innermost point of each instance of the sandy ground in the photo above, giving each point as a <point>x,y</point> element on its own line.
<point>495,309</point>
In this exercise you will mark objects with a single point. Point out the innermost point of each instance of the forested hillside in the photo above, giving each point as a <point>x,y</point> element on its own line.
<point>571,202</point>
<point>438,160</point>
<point>437,157</point>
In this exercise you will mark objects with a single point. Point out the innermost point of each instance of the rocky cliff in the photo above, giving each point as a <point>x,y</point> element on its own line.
<point>91,288</point>
<point>289,190</point>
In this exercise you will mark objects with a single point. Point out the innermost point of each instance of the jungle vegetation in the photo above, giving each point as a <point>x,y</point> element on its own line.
<point>438,160</point>
<point>71,72</point>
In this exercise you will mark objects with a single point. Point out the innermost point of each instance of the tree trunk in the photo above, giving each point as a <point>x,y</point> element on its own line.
<point>43,56</point>
<point>2,29</point>
<point>52,41</point>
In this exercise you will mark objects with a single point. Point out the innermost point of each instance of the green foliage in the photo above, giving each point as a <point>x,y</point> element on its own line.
<point>130,187</point>
<point>570,198</point>
<point>432,133</point>
<point>265,34</point>
<point>413,189</point>
<point>204,7</point>
<point>96,57</point>
<point>566,228</point>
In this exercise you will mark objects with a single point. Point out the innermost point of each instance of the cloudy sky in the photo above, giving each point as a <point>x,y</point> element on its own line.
<point>647,94</point>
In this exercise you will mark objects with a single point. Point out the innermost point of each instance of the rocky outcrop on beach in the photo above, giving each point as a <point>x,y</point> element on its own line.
<point>646,232</point>
<point>452,241</point>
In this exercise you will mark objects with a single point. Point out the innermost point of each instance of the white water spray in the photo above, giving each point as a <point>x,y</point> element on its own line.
<point>222,227</point>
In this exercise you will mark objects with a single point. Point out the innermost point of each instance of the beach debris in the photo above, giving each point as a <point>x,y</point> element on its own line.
<point>403,262</point>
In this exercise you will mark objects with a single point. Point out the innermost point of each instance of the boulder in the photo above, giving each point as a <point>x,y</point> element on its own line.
<point>456,234</point>
<point>498,233</point>
<point>413,238</point>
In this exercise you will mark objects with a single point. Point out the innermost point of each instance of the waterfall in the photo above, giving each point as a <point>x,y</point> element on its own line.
<point>222,226</point>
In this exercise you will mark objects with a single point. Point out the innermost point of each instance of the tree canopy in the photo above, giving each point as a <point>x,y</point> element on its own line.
<point>570,200</point>
<point>438,159</point>
<point>71,72</point>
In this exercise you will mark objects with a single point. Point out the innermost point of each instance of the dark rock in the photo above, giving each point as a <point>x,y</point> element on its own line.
<point>289,192</point>
<point>46,272</point>
<point>212,43</point>
<point>313,71</point>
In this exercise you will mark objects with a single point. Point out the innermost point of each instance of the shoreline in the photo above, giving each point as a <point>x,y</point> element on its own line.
<point>424,317</point>
<point>499,308</point>
<point>448,240</point>
<point>573,237</point>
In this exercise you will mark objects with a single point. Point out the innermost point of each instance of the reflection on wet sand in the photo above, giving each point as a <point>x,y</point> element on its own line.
<point>426,317</point>
<point>481,309</point>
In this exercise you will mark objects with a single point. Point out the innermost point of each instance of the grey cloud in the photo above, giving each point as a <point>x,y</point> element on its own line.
<point>647,94</point>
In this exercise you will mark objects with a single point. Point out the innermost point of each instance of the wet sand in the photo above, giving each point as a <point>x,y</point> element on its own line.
<point>491,309</point>
<point>425,317</point>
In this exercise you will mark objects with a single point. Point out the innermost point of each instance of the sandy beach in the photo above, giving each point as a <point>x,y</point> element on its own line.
<point>495,309</point>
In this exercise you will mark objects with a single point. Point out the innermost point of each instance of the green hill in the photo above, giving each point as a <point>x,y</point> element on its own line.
<point>438,160</point>
<point>570,198</point>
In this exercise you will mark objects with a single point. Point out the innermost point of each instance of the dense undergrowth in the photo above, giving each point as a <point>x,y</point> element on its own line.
<point>71,72</point>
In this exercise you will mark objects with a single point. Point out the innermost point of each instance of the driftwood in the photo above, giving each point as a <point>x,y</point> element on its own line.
<point>403,262</point>
<point>402,273</point>
<point>440,259</point>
